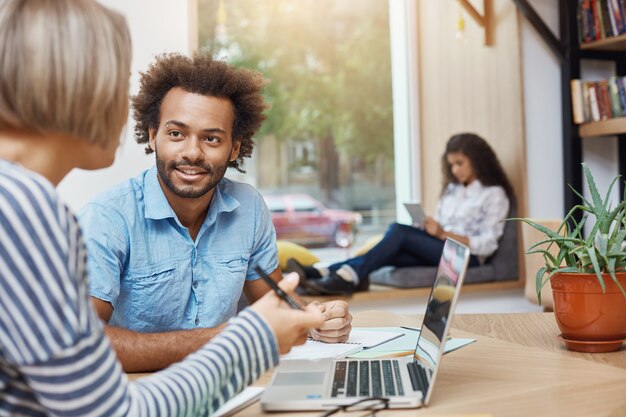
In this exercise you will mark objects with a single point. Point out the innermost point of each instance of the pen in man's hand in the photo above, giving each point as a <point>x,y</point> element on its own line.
<point>279,291</point>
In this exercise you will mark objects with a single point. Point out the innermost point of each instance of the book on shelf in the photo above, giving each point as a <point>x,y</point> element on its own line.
<point>616,107</point>
<point>622,94</point>
<point>608,9</point>
<point>598,25</point>
<point>603,18</point>
<point>594,101</point>
<point>577,101</point>
<point>600,19</point>
<point>614,17</point>
<point>621,6</point>
<point>582,17</point>
<point>586,107</point>
<point>604,100</point>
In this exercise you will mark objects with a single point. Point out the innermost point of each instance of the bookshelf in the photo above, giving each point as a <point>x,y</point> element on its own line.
<point>615,43</point>
<point>612,49</point>
<point>610,127</point>
<point>570,54</point>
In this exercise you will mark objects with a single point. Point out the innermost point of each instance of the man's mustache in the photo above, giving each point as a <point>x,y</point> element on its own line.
<point>175,164</point>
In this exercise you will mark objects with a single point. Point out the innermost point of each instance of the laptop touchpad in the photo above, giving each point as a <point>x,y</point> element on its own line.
<point>299,378</point>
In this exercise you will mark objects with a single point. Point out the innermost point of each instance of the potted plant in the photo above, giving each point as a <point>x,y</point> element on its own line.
<point>588,273</point>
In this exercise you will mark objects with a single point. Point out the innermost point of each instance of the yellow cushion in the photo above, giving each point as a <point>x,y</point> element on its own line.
<point>288,250</point>
<point>369,244</point>
<point>443,293</point>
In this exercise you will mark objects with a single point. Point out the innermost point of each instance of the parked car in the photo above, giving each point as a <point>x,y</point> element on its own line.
<point>302,219</point>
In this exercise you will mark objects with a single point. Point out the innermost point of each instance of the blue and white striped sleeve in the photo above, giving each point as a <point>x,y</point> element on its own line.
<point>224,367</point>
<point>54,357</point>
<point>87,379</point>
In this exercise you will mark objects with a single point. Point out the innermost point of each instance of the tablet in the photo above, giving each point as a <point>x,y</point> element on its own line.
<point>416,212</point>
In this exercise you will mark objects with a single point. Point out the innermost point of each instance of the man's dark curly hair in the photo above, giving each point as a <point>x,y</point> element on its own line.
<point>484,161</point>
<point>206,76</point>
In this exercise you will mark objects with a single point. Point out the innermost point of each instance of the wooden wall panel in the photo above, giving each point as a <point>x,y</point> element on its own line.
<point>466,86</point>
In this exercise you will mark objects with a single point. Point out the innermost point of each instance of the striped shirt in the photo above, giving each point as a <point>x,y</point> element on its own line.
<point>54,357</point>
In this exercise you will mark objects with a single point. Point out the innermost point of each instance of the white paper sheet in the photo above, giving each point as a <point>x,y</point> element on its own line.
<point>360,338</point>
<point>240,401</point>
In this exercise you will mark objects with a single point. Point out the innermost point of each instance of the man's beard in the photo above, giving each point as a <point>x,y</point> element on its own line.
<point>189,191</point>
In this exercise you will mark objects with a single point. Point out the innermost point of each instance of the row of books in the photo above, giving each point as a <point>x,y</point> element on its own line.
<point>593,101</point>
<point>600,19</point>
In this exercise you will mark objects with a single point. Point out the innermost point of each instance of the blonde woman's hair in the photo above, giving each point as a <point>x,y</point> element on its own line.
<point>64,68</point>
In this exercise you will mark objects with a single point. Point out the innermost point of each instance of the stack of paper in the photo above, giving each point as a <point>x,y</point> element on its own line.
<point>360,338</point>
<point>405,345</point>
<point>369,342</point>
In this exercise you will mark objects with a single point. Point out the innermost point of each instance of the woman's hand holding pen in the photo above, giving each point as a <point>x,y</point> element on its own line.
<point>290,326</point>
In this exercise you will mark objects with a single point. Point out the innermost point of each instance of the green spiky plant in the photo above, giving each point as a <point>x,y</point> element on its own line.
<point>602,251</point>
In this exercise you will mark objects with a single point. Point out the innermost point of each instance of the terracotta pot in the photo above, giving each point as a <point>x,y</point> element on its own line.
<point>591,320</point>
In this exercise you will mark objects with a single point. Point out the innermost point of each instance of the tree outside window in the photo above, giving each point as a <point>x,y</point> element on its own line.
<point>329,132</point>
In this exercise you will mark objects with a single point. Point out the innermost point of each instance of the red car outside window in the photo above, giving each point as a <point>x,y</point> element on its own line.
<point>302,219</point>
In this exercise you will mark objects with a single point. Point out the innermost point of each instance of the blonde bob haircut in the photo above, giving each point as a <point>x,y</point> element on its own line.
<point>64,69</point>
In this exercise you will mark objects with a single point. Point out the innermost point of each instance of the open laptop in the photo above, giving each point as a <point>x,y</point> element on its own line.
<point>407,381</point>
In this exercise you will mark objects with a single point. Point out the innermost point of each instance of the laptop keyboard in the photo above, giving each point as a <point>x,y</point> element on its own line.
<point>368,378</point>
<point>419,377</point>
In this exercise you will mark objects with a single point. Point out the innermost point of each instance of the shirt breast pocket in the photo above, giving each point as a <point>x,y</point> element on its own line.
<point>156,302</point>
<point>230,273</point>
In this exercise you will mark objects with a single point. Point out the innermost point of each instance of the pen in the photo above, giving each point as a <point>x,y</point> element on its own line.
<point>411,328</point>
<point>419,330</point>
<point>279,292</point>
<point>398,354</point>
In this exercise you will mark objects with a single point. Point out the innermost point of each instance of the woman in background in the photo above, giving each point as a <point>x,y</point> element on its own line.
<point>476,197</point>
<point>64,73</point>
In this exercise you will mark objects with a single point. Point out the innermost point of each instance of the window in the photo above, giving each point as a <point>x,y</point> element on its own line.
<point>329,133</point>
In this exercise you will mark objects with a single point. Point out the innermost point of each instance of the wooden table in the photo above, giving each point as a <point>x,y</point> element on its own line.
<point>517,367</point>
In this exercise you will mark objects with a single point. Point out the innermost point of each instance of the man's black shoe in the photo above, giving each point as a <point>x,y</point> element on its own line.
<point>305,272</point>
<point>302,291</point>
<point>330,284</point>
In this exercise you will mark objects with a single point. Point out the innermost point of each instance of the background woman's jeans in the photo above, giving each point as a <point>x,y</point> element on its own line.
<point>402,246</point>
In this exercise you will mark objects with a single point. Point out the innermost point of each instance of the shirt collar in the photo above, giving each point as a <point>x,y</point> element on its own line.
<point>473,187</point>
<point>221,202</point>
<point>157,206</point>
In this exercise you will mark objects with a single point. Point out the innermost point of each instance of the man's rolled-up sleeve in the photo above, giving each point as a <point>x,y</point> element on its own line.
<point>107,247</point>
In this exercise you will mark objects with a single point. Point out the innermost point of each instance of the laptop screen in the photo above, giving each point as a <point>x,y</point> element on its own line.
<point>439,309</point>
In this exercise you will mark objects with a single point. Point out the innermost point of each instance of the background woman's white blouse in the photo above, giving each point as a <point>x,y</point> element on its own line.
<point>474,211</point>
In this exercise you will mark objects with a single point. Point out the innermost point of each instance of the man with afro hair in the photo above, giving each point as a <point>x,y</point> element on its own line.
<point>171,251</point>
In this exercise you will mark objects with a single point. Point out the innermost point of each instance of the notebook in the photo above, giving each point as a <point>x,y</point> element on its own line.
<point>405,382</point>
<point>360,338</point>
<point>400,346</point>
<point>240,401</point>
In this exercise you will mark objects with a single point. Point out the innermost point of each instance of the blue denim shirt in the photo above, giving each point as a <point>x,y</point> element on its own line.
<point>144,262</point>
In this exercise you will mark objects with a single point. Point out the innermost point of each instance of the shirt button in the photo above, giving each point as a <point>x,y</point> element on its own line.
<point>197,321</point>
<point>195,284</point>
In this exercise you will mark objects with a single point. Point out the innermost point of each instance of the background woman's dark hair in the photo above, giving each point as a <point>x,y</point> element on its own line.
<point>484,161</point>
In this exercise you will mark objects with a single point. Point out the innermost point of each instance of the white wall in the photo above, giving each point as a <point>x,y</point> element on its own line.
<point>156,26</point>
<point>542,112</point>
<point>542,95</point>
